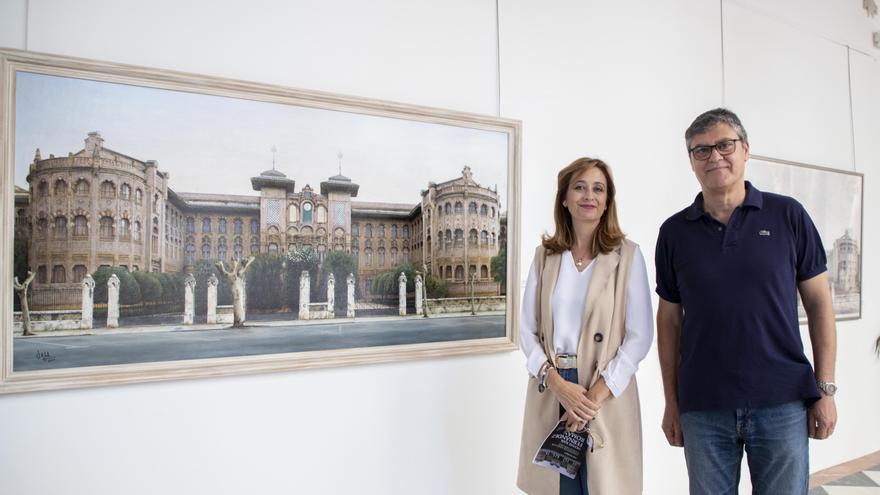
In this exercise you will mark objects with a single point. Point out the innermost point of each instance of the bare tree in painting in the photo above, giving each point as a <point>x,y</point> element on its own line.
<point>235,277</point>
<point>22,289</point>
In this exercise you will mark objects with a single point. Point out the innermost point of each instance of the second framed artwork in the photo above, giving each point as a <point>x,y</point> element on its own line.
<point>834,200</point>
<point>162,225</point>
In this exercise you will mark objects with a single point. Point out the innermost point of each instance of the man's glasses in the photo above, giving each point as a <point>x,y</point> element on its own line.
<point>724,148</point>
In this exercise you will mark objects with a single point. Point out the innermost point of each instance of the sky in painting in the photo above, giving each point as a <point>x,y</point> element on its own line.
<point>215,144</point>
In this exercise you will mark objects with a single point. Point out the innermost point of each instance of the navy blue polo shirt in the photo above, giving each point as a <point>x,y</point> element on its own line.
<point>737,284</point>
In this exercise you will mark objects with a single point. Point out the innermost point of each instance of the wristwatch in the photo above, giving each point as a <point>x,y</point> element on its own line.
<point>828,388</point>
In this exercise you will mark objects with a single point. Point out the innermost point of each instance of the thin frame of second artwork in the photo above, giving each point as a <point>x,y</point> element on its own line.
<point>835,201</point>
<point>313,220</point>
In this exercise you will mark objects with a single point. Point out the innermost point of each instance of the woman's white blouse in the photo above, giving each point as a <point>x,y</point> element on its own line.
<point>567,301</point>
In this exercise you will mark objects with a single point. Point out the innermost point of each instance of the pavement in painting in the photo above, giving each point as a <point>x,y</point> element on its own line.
<point>125,345</point>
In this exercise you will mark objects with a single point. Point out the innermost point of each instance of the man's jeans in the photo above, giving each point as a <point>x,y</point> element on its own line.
<point>775,441</point>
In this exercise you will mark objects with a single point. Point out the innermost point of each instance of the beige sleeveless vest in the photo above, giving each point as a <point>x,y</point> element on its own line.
<point>615,465</point>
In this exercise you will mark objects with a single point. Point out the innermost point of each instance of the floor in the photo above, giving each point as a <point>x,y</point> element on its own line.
<point>857,477</point>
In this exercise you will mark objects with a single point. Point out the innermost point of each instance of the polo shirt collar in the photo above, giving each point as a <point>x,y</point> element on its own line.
<point>754,198</point>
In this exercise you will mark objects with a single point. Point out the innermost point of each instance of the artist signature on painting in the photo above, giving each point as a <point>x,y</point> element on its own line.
<point>45,356</point>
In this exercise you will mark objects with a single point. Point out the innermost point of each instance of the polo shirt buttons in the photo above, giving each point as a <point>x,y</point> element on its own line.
<point>720,229</point>
<point>598,337</point>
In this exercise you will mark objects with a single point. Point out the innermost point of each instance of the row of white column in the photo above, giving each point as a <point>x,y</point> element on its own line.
<point>305,311</point>
<point>88,294</point>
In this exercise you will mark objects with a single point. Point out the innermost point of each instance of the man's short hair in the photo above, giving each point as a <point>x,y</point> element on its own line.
<point>707,120</point>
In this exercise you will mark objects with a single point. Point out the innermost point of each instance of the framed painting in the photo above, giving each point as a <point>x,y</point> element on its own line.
<point>161,225</point>
<point>834,200</point>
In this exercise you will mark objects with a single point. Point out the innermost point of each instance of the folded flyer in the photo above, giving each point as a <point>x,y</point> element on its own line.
<point>564,451</point>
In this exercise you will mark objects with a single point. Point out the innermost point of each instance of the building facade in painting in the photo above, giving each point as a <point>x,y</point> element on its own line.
<point>844,265</point>
<point>98,207</point>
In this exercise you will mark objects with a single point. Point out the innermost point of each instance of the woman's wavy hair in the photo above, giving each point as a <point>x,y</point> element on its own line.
<point>608,234</point>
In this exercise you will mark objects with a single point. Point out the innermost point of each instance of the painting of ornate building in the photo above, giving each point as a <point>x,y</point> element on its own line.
<point>99,207</point>
<point>844,265</point>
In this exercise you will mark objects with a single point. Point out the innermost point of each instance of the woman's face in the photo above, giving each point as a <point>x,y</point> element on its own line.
<point>587,196</point>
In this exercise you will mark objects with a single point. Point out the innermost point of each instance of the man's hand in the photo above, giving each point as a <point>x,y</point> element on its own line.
<point>816,296</point>
<point>822,418</point>
<point>672,425</point>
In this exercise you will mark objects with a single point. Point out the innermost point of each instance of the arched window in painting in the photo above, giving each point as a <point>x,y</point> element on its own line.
<point>82,187</point>
<point>108,190</point>
<point>190,252</point>
<point>59,275</point>
<point>60,187</point>
<point>80,226</point>
<point>124,229</point>
<point>238,248</point>
<point>106,228</point>
<point>42,227</point>
<point>60,227</point>
<point>221,249</point>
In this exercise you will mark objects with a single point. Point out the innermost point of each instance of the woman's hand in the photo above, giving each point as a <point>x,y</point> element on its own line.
<point>579,408</point>
<point>571,424</point>
<point>599,393</point>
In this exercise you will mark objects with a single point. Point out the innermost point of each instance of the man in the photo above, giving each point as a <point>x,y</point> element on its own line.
<point>729,268</point>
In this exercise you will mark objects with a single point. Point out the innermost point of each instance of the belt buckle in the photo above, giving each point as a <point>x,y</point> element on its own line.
<point>566,361</point>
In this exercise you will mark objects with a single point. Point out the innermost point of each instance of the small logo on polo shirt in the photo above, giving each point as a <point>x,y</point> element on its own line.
<point>765,233</point>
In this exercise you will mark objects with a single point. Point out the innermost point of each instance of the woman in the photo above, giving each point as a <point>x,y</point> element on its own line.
<point>586,324</point>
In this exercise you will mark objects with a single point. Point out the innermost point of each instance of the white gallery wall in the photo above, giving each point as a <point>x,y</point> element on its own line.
<point>617,80</point>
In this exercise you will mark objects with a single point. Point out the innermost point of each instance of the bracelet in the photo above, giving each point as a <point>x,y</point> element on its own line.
<point>543,374</point>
